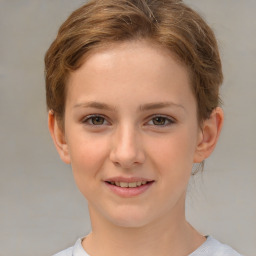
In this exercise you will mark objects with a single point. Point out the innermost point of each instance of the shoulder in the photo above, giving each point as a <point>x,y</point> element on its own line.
<point>67,252</point>
<point>76,250</point>
<point>212,247</point>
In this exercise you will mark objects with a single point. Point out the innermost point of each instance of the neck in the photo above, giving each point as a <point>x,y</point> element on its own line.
<point>170,235</point>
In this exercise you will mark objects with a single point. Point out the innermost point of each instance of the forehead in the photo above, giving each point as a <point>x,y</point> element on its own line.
<point>130,67</point>
<point>143,54</point>
<point>149,49</point>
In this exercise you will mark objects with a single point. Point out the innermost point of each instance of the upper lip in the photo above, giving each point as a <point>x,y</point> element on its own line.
<point>127,179</point>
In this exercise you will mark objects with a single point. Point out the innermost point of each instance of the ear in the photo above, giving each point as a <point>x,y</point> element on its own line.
<point>58,137</point>
<point>209,134</point>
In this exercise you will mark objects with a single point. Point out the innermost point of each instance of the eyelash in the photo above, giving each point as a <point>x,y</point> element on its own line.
<point>167,120</point>
<point>88,120</point>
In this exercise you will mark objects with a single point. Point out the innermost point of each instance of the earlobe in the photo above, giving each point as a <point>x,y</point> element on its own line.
<point>209,135</point>
<point>58,137</point>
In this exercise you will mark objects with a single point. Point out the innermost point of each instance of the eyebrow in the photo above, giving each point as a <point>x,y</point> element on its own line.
<point>145,107</point>
<point>159,105</point>
<point>95,104</point>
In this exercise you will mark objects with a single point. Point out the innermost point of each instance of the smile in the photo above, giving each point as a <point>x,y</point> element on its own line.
<point>128,184</point>
<point>128,187</point>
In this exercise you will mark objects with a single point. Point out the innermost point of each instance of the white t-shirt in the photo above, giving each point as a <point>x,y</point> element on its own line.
<point>211,247</point>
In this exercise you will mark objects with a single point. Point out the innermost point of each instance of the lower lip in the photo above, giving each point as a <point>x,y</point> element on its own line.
<point>129,192</point>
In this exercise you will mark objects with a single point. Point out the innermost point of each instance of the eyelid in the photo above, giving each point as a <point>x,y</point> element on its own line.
<point>88,117</point>
<point>171,120</point>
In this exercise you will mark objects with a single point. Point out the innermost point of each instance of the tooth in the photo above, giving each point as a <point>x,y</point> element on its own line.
<point>112,182</point>
<point>117,183</point>
<point>124,184</point>
<point>143,182</point>
<point>132,185</point>
<point>138,183</point>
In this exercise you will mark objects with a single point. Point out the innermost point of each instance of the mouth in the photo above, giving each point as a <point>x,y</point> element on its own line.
<point>134,184</point>
<point>128,187</point>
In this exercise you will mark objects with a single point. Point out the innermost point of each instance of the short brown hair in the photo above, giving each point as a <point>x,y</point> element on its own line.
<point>169,23</point>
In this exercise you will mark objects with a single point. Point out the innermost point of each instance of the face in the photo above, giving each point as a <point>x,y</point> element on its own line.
<point>131,133</point>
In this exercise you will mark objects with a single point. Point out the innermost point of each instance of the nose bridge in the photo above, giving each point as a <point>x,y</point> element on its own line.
<point>127,149</point>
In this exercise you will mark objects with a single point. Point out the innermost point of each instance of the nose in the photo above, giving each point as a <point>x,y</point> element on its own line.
<point>127,149</point>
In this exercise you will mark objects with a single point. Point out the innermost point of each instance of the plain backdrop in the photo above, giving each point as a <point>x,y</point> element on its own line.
<point>41,210</point>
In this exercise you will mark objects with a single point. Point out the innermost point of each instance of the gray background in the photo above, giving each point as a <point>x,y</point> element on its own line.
<point>41,211</point>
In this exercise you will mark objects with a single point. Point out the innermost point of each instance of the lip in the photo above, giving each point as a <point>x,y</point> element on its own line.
<point>127,179</point>
<point>128,192</point>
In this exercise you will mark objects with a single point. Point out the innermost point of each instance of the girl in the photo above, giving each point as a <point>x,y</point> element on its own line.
<point>133,96</point>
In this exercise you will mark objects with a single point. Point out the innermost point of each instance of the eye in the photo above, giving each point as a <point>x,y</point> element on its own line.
<point>95,120</point>
<point>160,121</point>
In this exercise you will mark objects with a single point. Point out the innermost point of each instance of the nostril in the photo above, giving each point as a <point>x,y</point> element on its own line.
<point>116,163</point>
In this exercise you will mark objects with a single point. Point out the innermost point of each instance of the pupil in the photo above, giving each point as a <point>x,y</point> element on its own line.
<point>97,120</point>
<point>159,120</point>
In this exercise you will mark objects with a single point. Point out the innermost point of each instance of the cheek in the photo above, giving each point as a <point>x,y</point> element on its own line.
<point>173,158</point>
<point>87,158</point>
<point>172,161</point>
<point>173,151</point>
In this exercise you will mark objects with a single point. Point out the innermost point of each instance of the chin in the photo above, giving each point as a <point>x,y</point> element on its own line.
<point>130,218</point>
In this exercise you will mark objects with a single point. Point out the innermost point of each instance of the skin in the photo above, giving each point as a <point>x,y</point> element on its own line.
<point>146,127</point>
